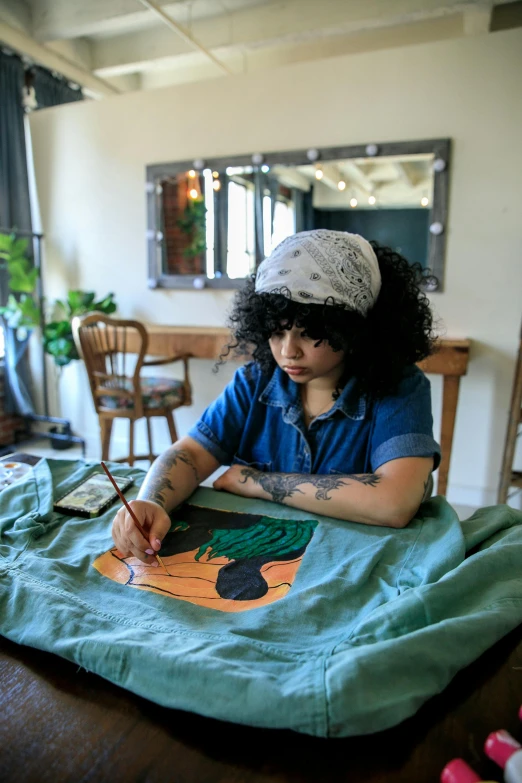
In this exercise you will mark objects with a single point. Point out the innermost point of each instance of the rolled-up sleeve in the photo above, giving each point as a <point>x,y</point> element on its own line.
<point>220,428</point>
<point>403,424</point>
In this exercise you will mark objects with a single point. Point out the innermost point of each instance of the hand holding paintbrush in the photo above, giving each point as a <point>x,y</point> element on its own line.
<point>131,512</point>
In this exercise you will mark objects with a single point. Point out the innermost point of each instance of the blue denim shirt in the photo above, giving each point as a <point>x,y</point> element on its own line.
<point>259,421</point>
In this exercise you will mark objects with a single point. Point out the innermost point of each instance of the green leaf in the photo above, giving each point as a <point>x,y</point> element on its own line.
<point>19,248</point>
<point>56,329</point>
<point>6,243</point>
<point>22,278</point>
<point>29,309</point>
<point>60,346</point>
<point>79,302</point>
<point>106,305</point>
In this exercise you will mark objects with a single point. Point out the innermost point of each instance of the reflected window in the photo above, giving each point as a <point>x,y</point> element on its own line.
<point>240,255</point>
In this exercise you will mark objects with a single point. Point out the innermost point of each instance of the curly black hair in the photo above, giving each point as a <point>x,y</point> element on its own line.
<point>396,333</point>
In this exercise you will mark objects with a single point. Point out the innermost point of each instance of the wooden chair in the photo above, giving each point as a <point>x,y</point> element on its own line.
<point>509,477</point>
<point>117,386</point>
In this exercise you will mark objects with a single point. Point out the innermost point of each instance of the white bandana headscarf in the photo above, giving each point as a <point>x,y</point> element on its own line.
<point>323,267</point>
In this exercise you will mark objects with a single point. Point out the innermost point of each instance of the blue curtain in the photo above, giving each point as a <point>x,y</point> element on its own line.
<point>15,212</point>
<point>15,207</point>
<point>51,90</point>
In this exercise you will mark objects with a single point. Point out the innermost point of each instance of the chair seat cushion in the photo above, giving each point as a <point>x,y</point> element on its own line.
<point>156,393</point>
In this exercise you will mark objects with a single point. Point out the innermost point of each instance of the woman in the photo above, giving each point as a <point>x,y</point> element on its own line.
<point>332,416</point>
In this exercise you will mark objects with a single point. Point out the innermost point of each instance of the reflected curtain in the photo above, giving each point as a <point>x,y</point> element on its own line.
<point>304,213</point>
<point>259,189</point>
<point>15,212</point>
<point>273,185</point>
<point>221,226</point>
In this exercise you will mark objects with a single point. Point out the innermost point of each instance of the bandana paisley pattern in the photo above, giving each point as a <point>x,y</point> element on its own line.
<point>324,267</point>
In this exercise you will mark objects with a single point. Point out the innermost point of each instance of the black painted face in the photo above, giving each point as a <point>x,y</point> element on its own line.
<point>223,560</point>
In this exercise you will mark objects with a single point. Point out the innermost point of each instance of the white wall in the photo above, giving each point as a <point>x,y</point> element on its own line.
<point>90,167</point>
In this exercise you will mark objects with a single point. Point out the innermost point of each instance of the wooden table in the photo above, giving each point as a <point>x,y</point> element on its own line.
<point>450,360</point>
<point>61,724</point>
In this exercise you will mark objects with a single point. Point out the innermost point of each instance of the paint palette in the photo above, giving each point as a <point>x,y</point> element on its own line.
<point>11,472</point>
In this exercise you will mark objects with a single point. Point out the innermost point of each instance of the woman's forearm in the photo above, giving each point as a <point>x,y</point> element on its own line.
<point>175,475</point>
<point>372,498</point>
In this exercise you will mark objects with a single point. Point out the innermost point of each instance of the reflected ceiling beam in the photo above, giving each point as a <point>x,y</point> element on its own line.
<point>291,178</point>
<point>332,175</point>
<point>184,34</point>
<point>403,175</point>
<point>42,55</point>
<point>357,176</point>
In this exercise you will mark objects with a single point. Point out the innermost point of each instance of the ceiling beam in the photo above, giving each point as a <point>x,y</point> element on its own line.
<point>184,34</point>
<point>477,19</point>
<point>295,23</point>
<point>54,19</point>
<point>290,19</point>
<point>191,67</point>
<point>17,14</point>
<point>42,55</point>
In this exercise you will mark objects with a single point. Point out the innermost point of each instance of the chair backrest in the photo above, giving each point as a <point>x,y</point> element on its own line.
<point>102,343</point>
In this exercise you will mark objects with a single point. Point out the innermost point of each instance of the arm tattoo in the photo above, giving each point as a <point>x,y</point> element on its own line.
<point>171,458</point>
<point>159,481</point>
<point>284,485</point>
<point>370,479</point>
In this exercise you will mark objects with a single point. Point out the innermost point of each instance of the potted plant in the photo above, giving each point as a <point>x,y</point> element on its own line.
<point>21,312</point>
<point>58,336</point>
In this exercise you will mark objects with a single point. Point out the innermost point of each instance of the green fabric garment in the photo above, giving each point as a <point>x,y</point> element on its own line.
<point>326,627</point>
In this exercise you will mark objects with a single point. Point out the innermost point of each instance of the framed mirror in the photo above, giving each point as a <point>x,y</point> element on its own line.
<point>212,222</point>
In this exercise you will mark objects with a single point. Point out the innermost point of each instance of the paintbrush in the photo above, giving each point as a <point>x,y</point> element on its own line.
<point>131,512</point>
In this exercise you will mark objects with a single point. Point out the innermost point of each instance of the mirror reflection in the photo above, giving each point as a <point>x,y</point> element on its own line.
<point>223,223</point>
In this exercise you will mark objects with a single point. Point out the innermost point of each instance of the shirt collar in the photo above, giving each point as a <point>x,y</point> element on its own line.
<point>282,391</point>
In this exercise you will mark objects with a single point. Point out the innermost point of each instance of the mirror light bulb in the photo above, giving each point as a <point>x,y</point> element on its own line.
<point>341,184</point>
<point>319,174</point>
<point>192,173</point>
<point>353,202</point>
<point>216,184</point>
<point>424,201</point>
<point>193,193</point>
<point>371,200</point>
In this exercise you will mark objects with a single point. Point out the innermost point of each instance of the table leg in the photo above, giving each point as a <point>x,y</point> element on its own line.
<point>450,396</point>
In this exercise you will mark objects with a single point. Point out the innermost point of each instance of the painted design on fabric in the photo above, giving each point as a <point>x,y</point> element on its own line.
<point>219,559</point>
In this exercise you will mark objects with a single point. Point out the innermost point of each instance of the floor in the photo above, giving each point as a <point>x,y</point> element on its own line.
<point>42,448</point>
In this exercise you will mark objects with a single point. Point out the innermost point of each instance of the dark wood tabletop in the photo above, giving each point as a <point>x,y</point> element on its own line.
<point>61,723</point>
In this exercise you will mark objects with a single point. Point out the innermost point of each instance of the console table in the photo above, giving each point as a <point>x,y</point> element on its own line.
<point>450,360</point>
